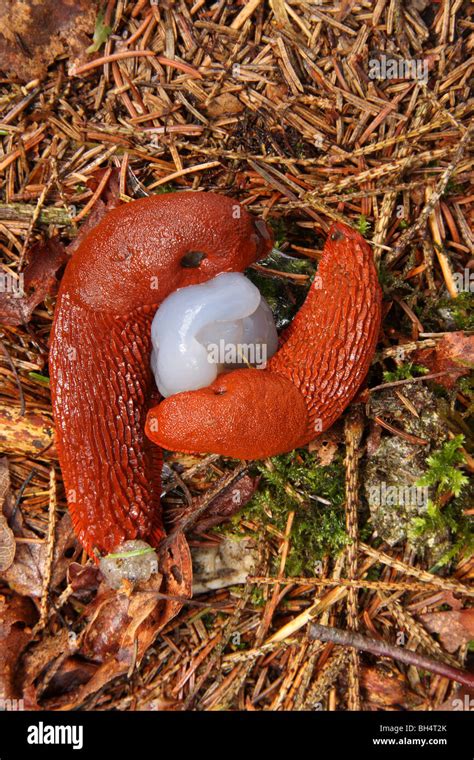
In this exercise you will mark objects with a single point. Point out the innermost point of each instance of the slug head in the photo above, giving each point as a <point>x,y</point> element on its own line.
<point>142,251</point>
<point>247,414</point>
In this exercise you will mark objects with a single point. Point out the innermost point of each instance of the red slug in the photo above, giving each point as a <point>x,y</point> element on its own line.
<point>323,359</point>
<point>101,379</point>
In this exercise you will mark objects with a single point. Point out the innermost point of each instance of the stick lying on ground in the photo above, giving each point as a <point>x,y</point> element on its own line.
<point>381,648</point>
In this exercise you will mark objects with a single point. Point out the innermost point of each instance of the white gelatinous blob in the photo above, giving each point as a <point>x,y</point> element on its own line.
<point>205,329</point>
<point>133,561</point>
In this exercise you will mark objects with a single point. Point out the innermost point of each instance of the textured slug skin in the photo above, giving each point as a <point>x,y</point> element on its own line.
<point>324,357</point>
<point>101,379</point>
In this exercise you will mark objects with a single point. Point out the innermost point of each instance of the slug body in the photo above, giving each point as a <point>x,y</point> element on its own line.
<point>324,356</point>
<point>101,379</point>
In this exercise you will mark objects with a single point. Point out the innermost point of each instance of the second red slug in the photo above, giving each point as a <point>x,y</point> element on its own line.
<point>102,386</point>
<point>324,357</point>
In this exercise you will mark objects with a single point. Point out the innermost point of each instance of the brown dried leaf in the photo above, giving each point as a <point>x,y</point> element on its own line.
<point>225,104</point>
<point>34,34</point>
<point>83,578</point>
<point>17,615</point>
<point>25,574</point>
<point>228,503</point>
<point>45,259</point>
<point>454,627</point>
<point>7,537</point>
<point>39,659</point>
<point>453,351</point>
<point>7,545</point>
<point>121,627</point>
<point>325,447</point>
<point>385,687</point>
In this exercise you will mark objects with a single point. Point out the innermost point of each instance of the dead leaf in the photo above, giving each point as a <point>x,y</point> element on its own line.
<point>121,627</point>
<point>276,91</point>
<point>18,302</point>
<point>454,627</point>
<point>73,673</point>
<point>225,104</point>
<point>25,574</point>
<point>7,538</point>
<point>83,578</point>
<point>228,503</point>
<point>40,659</point>
<point>325,447</point>
<point>17,616</point>
<point>385,687</point>
<point>454,351</point>
<point>34,34</point>
<point>7,545</point>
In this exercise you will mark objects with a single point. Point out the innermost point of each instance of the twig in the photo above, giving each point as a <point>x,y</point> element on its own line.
<point>191,516</point>
<point>353,430</point>
<point>49,554</point>
<point>445,583</point>
<point>410,233</point>
<point>396,383</point>
<point>383,649</point>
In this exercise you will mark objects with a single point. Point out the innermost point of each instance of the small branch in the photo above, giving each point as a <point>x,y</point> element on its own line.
<point>23,213</point>
<point>430,204</point>
<point>192,515</point>
<point>397,383</point>
<point>382,649</point>
<point>49,554</point>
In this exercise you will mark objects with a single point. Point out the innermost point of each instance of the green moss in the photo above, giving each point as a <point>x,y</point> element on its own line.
<point>363,225</point>
<point>162,189</point>
<point>284,297</point>
<point>453,188</point>
<point>444,476</point>
<point>453,518</point>
<point>466,386</point>
<point>443,472</point>
<point>404,372</point>
<point>461,309</point>
<point>278,226</point>
<point>318,528</point>
<point>257,597</point>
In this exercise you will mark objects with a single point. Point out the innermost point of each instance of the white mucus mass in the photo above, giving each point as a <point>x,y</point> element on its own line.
<point>205,329</point>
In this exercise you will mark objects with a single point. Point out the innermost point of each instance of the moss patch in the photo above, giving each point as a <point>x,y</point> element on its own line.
<point>318,528</point>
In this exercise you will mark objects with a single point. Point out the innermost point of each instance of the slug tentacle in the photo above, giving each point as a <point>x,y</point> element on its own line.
<point>324,357</point>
